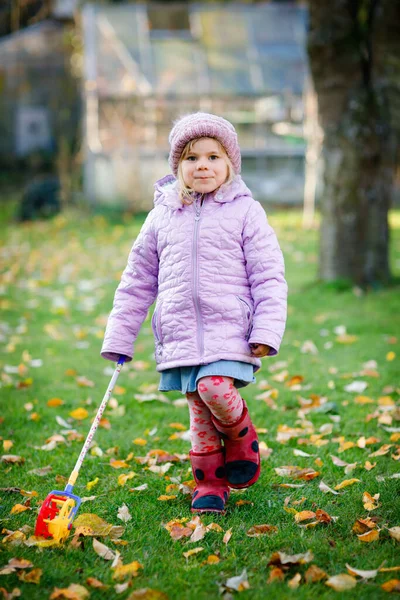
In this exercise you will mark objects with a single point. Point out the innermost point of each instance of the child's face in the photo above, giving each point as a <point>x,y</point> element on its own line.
<point>205,167</point>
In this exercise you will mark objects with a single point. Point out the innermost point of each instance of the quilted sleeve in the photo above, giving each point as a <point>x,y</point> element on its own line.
<point>266,274</point>
<point>134,295</point>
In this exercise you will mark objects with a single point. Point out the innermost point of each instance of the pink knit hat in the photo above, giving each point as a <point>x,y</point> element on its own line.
<point>200,125</point>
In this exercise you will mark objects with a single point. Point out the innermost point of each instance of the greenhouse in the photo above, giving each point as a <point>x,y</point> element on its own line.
<point>145,65</point>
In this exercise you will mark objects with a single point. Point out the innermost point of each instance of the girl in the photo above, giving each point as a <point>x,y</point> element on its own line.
<point>209,256</point>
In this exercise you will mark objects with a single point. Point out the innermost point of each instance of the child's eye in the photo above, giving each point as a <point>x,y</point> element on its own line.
<point>214,156</point>
<point>191,158</point>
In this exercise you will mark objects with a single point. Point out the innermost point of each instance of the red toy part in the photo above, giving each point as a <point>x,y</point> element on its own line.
<point>49,510</point>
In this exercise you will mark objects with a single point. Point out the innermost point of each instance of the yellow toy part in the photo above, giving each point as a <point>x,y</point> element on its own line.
<point>59,526</point>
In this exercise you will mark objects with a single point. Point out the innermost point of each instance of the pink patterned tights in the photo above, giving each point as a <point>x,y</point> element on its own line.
<point>217,396</point>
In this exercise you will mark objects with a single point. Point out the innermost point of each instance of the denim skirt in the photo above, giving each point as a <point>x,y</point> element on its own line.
<point>184,379</point>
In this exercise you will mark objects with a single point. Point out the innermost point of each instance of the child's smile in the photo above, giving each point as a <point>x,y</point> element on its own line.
<point>205,168</point>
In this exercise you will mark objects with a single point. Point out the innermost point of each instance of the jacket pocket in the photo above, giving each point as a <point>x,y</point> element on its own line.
<point>156,324</point>
<point>247,315</point>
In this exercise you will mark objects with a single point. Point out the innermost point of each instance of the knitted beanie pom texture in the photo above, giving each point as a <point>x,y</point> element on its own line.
<point>198,125</point>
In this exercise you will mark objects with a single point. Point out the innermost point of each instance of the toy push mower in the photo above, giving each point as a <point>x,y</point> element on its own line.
<point>60,507</point>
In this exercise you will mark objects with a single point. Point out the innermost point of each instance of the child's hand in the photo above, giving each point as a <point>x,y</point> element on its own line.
<point>259,350</point>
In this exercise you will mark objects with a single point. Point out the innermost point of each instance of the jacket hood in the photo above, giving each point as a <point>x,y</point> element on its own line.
<point>167,192</point>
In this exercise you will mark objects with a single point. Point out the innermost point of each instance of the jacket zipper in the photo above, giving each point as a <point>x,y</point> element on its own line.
<point>195,271</point>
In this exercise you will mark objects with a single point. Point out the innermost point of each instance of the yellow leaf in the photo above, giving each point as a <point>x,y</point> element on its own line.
<point>345,338</point>
<point>294,582</point>
<point>18,508</point>
<point>79,414</point>
<point>370,502</point>
<point>98,526</point>
<point>191,552</point>
<point>166,498</point>
<point>129,570</point>
<point>390,356</point>
<point>178,426</point>
<point>394,533</point>
<point>386,401</point>
<point>96,583</point>
<point>368,466</point>
<point>363,400</point>
<point>34,416</point>
<point>118,464</point>
<point>304,515</point>
<point>54,402</point>
<point>395,437</point>
<point>7,444</point>
<point>119,390</point>
<point>31,577</point>
<point>139,442</point>
<point>122,479</point>
<point>213,559</point>
<point>369,536</point>
<point>72,592</point>
<point>91,484</point>
<point>70,372</point>
<point>391,585</point>
<point>345,483</point>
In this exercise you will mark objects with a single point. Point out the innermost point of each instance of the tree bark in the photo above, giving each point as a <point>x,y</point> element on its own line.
<point>354,51</point>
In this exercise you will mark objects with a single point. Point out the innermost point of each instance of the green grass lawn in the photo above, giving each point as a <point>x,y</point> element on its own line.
<point>56,290</point>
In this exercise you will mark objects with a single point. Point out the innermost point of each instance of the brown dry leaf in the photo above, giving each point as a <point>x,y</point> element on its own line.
<point>394,533</point>
<point>363,525</point>
<point>258,530</point>
<point>345,483</point>
<point>192,552</point>
<point>103,550</point>
<point>18,508</point>
<point>370,502</point>
<point>227,536</point>
<point>14,538</point>
<point>393,585</point>
<point>12,459</point>
<point>20,563</point>
<point>72,592</point>
<point>314,574</point>
<point>304,515</point>
<point>96,583</point>
<point>369,536</point>
<point>178,532</point>
<point>129,570</point>
<point>55,402</point>
<point>31,577</point>
<point>276,574</point>
<point>342,582</point>
<point>364,574</point>
<point>322,516</point>
<point>294,582</point>
<point>79,413</point>
<point>147,594</point>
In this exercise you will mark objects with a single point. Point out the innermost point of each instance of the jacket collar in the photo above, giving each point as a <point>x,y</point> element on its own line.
<point>167,192</point>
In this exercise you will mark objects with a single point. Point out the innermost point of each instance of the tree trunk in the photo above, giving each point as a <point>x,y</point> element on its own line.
<point>354,50</point>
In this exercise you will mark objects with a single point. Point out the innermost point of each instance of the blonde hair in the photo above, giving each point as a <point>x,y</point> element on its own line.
<point>185,193</point>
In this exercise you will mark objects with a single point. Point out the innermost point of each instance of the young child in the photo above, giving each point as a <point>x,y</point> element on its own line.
<point>209,256</point>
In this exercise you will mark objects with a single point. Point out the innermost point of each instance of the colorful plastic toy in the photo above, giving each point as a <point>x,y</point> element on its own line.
<point>60,507</point>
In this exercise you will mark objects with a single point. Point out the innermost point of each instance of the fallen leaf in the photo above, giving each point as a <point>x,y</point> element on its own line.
<point>96,583</point>
<point>325,488</point>
<point>294,582</point>
<point>304,515</point>
<point>281,558</point>
<point>393,585</point>
<point>54,402</point>
<point>346,483</point>
<point>369,466</point>
<point>147,594</point>
<point>192,552</point>
<point>18,508</point>
<point>258,530</point>
<point>227,536</point>
<point>370,502</point>
<point>394,533</point>
<point>118,464</point>
<point>275,574</point>
<point>91,484</point>
<point>166,498</point>
<point>13,459</point>
<point>72,592</point>
<point>342,582</point>
<point>124,514</point>
<point>123,478</point>
<point>139,442</point>
<point>79,414</point>
<point>364,574</point>
<point>103,550</point>
<point>31,576</point>
<point>7,444</point>
<point>381,451</point>
<point>314,574</point>
<point>238,583</point>
<point>369,536</point>
<point>129,570</point>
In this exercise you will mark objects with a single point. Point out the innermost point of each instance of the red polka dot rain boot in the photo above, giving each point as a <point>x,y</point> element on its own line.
<point>242,456</point>
<point>212,489</point>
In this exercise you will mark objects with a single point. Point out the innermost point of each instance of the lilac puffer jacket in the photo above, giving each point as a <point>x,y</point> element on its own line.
<point>217,272</point>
